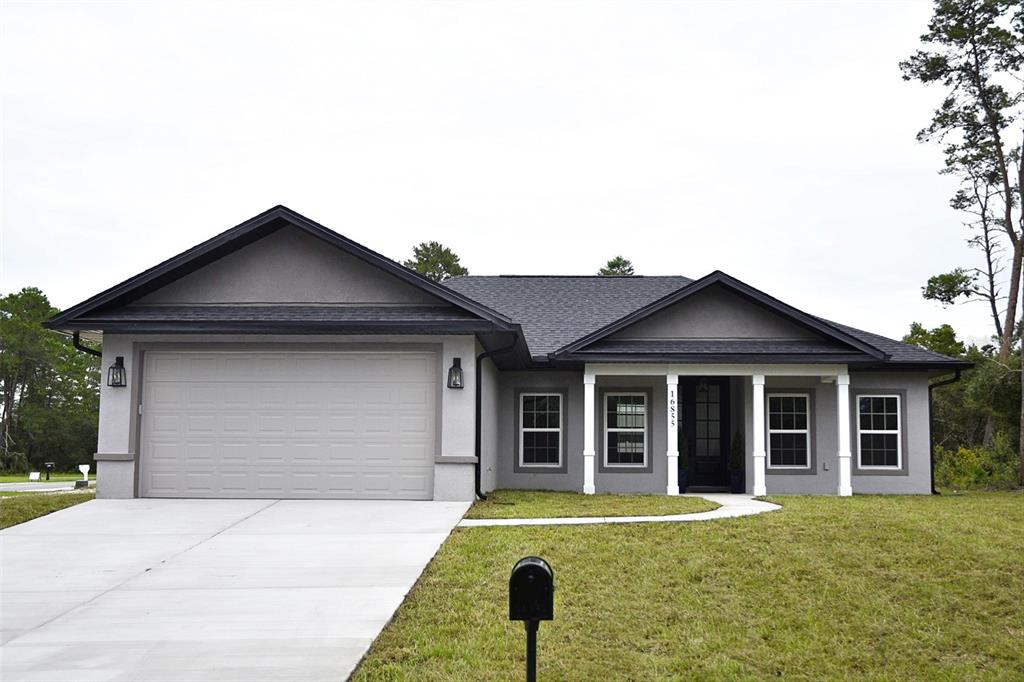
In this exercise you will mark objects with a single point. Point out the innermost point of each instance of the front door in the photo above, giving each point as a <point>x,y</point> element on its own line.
<point>705,427</point>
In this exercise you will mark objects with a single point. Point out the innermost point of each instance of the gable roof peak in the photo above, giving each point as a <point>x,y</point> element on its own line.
<point>246,233</point>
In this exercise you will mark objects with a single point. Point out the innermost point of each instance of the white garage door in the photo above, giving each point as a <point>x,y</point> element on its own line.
<point>288,424</point>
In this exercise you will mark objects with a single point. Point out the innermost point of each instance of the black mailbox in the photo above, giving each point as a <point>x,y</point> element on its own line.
<point>531,590</point>
<point>49,468</point>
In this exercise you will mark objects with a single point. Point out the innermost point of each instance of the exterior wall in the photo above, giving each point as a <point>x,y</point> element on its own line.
<point>572,431</point>
<point>823,476</point>
<point>651,479</point>
<point>117,446</point>
<point>490,420</point>
<point>714,314</point>
<point>913,478</point>
<point>289,266</point>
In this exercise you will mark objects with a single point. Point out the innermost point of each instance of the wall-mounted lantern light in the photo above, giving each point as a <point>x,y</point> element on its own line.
<point>455,374</point>
<point>116,375</point>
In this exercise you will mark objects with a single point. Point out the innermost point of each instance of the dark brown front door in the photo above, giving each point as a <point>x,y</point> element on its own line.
<point>705,425</point>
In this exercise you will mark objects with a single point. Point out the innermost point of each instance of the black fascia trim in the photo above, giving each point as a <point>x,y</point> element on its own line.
<point>929,366</point>
<point>391,327</point>
<point>745,290</point>
<point>244,234</point>
<point>707,358</point>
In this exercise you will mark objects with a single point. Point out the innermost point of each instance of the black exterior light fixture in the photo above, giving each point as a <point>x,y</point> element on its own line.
<point>531,599</point>
<point>116,375</point>
<point>455,374</point>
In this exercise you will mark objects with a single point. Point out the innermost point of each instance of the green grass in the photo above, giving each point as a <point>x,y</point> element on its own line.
<point>19,507</point>
<point>884,588</point>
<point>64,476</point>
<point>535,504</point>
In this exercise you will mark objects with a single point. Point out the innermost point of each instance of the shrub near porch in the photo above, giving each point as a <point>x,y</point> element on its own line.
<point>877,587</point>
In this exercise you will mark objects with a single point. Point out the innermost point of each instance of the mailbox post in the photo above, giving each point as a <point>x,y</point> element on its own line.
<point>49,468</point>
<point>531,599</point>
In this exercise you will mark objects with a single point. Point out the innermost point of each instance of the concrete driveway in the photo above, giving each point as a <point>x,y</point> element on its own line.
<point>171,590</point>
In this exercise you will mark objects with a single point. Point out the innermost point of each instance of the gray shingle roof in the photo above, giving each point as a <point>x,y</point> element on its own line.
<point>899,351</point>
<point>283,313</point>
<point>557,310</point>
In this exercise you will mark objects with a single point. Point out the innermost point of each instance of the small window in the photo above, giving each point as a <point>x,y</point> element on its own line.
<point>625,430</point>
<point>540,430</point>
<point>789,433</point>
<point>878,432</point>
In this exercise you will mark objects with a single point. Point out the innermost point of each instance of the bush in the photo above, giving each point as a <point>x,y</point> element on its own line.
<point>977,468</point>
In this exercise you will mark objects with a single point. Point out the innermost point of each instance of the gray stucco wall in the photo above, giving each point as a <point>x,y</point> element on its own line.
<point>913,478</point>
<point>651,480</point>
<point>714,314</point>
<point>289,266</point>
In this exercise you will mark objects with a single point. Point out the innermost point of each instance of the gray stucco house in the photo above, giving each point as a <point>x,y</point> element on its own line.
<point>282,360</point>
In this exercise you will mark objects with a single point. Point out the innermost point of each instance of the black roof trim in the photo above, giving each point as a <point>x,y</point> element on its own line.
<point>746,291</point>
<point>246,233</point>
<point>728,358</point>
<point>279,327</point>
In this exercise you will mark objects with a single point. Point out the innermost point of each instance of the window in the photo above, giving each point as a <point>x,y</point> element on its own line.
<point>540,430</point>
<point>625,430</point>
<point>789,433</point>
<point>878,432</point>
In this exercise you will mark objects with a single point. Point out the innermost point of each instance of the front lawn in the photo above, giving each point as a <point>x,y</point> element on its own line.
<point>536,504</point>
<point>825,588</point>
<point>20,507</point>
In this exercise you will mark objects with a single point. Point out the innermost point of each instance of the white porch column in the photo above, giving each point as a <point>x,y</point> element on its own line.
<point>843,419</point>
<point>588,434</point>
<point>760,487</point>
<point>672,417</point>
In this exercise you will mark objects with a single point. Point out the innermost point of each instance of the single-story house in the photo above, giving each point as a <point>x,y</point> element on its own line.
<point>281,360</point>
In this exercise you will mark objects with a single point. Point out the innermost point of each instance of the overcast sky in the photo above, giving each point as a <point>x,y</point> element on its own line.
<point>771,140</point>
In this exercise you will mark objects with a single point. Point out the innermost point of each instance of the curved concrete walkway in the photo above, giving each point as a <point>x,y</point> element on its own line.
<point>730,506</point>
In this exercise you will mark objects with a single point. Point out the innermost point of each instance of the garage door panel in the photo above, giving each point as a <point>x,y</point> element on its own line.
<point>288,424</point>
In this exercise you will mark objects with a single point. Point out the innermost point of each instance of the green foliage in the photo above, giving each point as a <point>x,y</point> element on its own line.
<point>984,406</point>
<point>50,390</point>
<point>977,468</point>
<point>435,261</point>
<point>940,340</point>
<point>949,286</point>
<point>617,267</point>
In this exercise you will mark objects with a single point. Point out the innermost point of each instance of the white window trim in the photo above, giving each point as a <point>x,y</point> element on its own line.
<point>607,429</point>
<point>523,429</point>
<point>769,430</point>
<point>898,432</point>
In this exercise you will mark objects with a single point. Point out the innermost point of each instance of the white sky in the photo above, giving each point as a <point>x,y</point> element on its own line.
<point>771,140</point>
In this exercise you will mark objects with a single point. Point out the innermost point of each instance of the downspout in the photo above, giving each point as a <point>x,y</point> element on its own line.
<point>479,393</point>
<point>931,427</point>
<point>76,341</point>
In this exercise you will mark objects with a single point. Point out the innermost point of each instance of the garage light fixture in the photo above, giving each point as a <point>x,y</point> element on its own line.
<point>455,374</point>
<point>116,375</point>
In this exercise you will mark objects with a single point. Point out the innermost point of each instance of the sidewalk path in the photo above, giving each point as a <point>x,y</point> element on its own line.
<point>731,506</point>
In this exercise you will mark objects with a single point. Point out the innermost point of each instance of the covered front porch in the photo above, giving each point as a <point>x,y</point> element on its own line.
<point>716,420</point>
